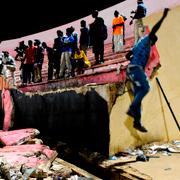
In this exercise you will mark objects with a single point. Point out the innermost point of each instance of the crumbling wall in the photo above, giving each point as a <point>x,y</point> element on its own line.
<point>79,116</point>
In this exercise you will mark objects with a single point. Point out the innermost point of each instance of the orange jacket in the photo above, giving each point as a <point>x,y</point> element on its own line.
<point>117,30</point>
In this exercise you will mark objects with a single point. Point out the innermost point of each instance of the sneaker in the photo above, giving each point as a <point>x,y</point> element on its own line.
<point>140,128</point>
<point>101,62</point>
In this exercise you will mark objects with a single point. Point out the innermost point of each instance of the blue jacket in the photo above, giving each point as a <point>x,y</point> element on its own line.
<point>141,52</point>
<point>68,43</point>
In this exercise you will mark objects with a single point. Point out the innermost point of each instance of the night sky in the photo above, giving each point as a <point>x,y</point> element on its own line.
<point>21,18</point>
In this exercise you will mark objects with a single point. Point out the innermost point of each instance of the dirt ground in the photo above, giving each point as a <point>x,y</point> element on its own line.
<point>166,167</point>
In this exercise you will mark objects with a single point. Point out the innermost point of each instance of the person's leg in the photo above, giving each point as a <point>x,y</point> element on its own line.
<point>124,41</point>
<point>50,70</point>
<point>140,89</point>
<point>101,51</point>
<point>141,85</point>
<point>136,34</point>
<point>25,74</point>
<point>56,66</point>
<point>62,65</point>
<point>21,71</point>
<point>13,78</point>
<point>136,114</point>
<point>32,72</point>
<point>80,66</point>
<point>115,42</point>
<point>35,73</point>
<point>96,53</point>
<point>73,65</point>
<point>39,68</point>
<point>68,63</point>
<point>29,73</point>
<point>120,44</point>
<point>137,109</point>
<point>140,28</point>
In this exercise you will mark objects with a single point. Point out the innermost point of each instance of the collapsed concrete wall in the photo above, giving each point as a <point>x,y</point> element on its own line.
<point>78,117</point>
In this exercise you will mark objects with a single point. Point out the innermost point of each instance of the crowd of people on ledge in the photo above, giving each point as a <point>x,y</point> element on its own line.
<point>68,55</point>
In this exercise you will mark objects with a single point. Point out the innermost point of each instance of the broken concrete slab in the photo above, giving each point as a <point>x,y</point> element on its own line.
<point>16,137</point>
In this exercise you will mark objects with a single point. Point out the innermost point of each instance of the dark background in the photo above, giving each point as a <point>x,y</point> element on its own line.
<point>21,18</point>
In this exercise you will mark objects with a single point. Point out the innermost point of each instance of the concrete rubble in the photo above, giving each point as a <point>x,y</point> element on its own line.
<point>22,156</point>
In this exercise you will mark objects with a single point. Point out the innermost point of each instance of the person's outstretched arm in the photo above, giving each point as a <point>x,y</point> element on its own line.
<point>158,24</point>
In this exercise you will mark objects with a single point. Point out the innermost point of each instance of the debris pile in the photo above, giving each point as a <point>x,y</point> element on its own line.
<point>164,148</point>
<point>122,164</point>
<point>22,156</point>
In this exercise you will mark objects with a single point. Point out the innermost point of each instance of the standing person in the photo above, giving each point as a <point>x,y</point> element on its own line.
<point>139,14</point>
<point>98,34</point>
<point>117,25</point>
<point>84,37</point>
<point>75,36</point>
<point>50,55</point>
<point>20,50</point>
<point>68,42</point>
<point>138,57</point>
<point>38,62</point>
<point>8,66</point>
<point>28,67</point>
<point>124,17</point>
<point>57,46</point>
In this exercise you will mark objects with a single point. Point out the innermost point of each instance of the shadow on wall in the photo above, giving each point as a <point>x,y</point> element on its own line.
<point>80,120</point>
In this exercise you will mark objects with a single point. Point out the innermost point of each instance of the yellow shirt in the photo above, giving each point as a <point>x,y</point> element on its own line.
<point>118,30</point>
<point>83,56</point>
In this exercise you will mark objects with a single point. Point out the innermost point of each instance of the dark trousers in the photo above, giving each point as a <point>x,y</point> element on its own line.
<point>50,71</point>
<point>28,73</point>
<point>57,59</point>
<point>98,50</point>
<point>77,65</point>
